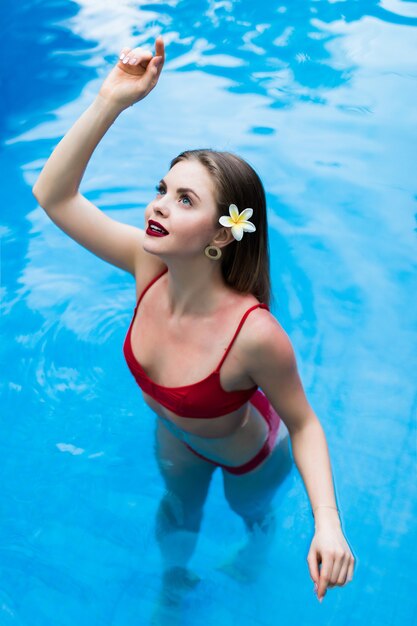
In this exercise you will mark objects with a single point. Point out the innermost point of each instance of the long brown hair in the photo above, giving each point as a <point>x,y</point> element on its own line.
<point>245,263</point>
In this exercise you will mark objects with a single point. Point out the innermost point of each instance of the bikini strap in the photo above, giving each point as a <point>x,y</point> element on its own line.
<point>150,285</point>
<point>260,305</point>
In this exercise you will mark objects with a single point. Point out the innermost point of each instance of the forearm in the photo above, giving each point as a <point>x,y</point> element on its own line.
<point>63,171</point>
<point>311,455</point>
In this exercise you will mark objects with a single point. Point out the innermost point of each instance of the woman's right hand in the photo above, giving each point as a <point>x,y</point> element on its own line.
<point>126,83</point>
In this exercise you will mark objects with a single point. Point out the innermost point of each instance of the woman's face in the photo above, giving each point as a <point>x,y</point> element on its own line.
<point>185,207</point>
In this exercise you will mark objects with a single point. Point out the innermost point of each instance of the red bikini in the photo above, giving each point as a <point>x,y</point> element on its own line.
<point>206,398</point>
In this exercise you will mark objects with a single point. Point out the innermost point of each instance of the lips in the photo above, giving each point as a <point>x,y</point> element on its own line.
<point>155,229</point>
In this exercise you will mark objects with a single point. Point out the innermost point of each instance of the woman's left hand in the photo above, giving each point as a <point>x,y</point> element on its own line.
<point>330,549</point>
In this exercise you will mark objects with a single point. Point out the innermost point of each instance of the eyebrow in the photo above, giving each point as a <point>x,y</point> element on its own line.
<point>183,189</point>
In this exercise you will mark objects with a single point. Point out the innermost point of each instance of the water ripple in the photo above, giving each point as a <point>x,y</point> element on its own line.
<point>320,98</point>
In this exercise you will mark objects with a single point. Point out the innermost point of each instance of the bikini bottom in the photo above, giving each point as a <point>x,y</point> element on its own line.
<point>262,404</point>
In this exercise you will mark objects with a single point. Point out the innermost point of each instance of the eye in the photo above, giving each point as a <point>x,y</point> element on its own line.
<point>187,198</point>
<point>159,188</point>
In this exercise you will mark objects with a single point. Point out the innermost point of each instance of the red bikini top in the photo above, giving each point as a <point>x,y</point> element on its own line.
<point>204,399</point>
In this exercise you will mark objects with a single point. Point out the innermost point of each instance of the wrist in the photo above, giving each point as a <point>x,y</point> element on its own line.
<point>324,515</point>
<point>107,107</point>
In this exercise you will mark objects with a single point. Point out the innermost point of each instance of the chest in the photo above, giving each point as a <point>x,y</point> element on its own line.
<point>175,353</point>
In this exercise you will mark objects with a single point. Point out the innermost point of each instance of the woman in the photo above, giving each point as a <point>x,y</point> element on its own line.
<point>202,340</point>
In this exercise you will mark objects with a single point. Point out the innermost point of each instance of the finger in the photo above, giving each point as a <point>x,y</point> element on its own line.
<point>325,572</point>
<point>152,73</point>
<point>313,566</point>
<point>127,57</point>
<point>350,569</point>
<point>138,56</point>
<point>342,578</point>
<point>123,53</point>
<point>160,47</point>
<point>145,60</point>
<point>135,56</point>
<point>156,65</point>
<point>336,569</point>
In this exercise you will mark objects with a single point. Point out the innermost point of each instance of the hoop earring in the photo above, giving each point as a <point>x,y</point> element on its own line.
<point>213,252</point>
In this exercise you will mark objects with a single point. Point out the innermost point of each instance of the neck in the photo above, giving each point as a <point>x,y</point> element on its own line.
<point>193,285</point>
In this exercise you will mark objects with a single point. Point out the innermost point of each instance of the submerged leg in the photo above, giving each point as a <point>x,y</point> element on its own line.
<point>250,495</point>
<point>179,516</point>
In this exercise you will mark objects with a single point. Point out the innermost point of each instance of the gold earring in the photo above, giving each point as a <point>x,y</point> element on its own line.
<point>213,252</point>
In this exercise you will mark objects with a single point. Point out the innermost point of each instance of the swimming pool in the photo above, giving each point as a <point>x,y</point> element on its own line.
<point>320,98</point>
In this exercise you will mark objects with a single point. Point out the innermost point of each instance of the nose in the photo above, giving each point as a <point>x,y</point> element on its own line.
<point>161,206</point>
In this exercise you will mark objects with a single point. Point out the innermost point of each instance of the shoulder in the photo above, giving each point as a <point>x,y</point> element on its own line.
<point>271,365</point>
<point>265,342</point>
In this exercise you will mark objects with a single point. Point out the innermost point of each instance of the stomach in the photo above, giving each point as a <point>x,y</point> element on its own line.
<point>231,439</point>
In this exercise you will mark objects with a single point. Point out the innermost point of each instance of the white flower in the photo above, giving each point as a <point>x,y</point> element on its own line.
<point>238,221</point>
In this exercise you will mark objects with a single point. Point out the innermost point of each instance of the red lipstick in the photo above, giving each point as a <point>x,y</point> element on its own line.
<point>156,230</point>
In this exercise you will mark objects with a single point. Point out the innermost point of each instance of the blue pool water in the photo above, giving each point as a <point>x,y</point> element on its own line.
<point>319,96</point>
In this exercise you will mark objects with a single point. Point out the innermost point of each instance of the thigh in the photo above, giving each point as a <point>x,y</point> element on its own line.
<point>184,473</point>
<point>251,493</point>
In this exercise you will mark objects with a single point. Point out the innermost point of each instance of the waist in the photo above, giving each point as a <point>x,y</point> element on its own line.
<point>218,427</point>
<point>236,446</point>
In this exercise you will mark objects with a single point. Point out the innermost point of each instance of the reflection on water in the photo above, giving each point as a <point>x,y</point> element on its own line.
<point>320,99</point>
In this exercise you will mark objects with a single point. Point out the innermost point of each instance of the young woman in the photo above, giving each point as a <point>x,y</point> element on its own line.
<point>202,342</point>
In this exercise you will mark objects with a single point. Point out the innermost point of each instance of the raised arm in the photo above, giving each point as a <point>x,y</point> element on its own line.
<point>57,188</point>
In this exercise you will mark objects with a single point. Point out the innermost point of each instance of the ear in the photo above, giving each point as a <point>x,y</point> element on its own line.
<point>222,238</point>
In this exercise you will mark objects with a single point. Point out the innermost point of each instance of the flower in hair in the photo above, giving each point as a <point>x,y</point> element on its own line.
<point>238,222</point>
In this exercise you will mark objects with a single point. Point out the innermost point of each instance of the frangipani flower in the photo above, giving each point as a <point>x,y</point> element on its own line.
<point>238,221</point>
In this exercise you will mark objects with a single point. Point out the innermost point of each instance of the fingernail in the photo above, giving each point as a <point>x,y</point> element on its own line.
<point>122,56</point>
<point>132,61</point>
<point>126,59</point>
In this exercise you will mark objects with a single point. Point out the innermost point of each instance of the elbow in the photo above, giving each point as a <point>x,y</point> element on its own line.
<point>304,424</point>
<point>49,200</point>
<point>36,194</point>
<point>41,199</point>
